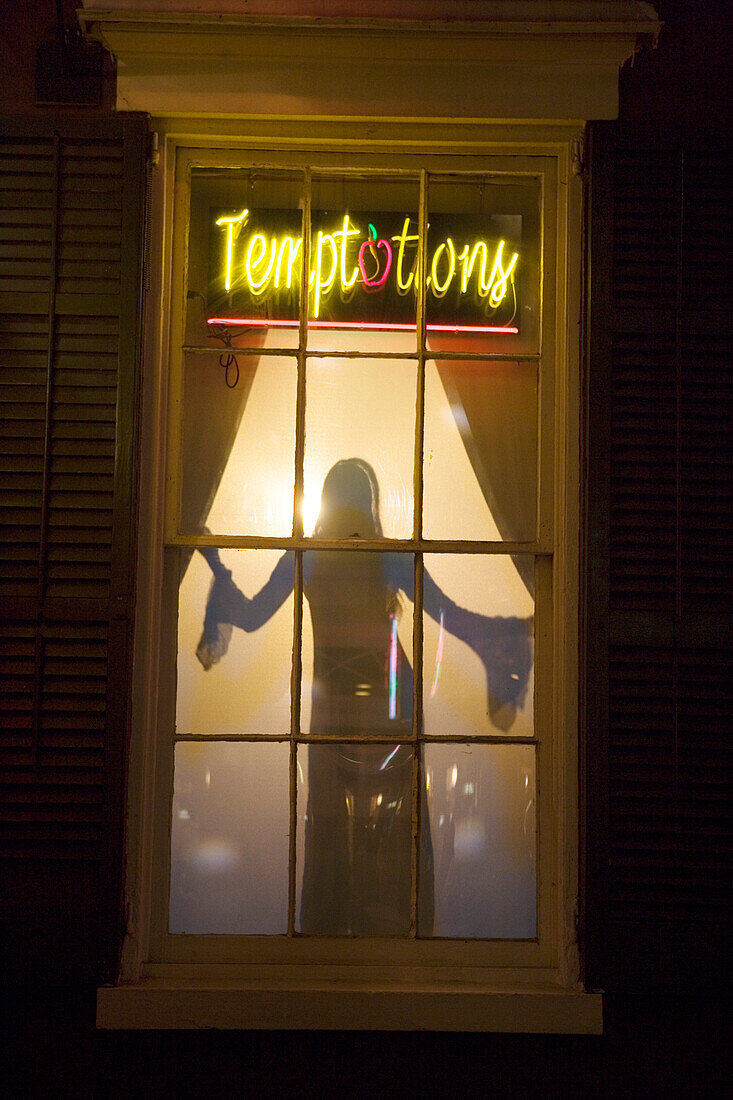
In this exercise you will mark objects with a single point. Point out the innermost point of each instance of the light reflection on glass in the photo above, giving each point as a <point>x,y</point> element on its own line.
<point>229,838</point>
<point>481,814</point>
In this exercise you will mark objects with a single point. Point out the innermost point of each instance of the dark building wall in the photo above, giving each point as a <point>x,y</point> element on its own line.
<point>654,920</point>
<point>23,27</point>
<point>659,525</point>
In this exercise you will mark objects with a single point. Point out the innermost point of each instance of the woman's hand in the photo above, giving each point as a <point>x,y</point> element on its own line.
<point>217,631</point>
<point>505,649</point>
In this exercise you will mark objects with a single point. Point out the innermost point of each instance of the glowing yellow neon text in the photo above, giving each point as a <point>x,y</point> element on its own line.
<point>236,219</point>
<point>496,284</point>
<point>347,281</point>
<point>265,261</point>
<point>500,286</point>
<point>252,262</point>
<point>403,238</point>
<point>321,283</point>
<point>468,261</point>
<point>439,290</point>
<point>293,247</point>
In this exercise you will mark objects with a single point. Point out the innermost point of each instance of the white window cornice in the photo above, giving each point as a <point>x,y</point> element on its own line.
<point>529,61</point>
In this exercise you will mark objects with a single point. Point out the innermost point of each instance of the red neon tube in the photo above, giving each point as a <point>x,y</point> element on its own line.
<point>382,326</point>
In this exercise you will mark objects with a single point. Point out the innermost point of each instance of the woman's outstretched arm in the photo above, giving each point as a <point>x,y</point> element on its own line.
<point>227,605</point>
<point>503,644</point>
<point>467,625</point>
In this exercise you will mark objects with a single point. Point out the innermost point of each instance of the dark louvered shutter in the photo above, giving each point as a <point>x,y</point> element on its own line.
<point>72,200</point>
<point>659,532</point>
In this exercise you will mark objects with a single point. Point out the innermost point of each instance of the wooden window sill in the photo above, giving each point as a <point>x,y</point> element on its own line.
<point>170,1004</point>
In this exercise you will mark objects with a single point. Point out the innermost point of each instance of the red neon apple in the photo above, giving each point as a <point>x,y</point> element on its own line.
<point>374,246</point>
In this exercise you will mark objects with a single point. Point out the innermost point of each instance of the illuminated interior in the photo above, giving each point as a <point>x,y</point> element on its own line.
<point>231,818</point>
<point>365,409</point>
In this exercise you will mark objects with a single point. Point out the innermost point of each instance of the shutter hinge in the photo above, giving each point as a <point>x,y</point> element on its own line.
<point>578,154</point>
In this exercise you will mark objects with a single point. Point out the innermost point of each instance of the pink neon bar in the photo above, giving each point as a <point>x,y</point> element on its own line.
<point>382,326</point>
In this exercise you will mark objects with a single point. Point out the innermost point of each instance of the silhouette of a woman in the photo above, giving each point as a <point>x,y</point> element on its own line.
<point>357,858</point>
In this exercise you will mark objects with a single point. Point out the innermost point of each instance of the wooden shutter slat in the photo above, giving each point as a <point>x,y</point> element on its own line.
<point>97,223</point>
<point>86,430</point>
<point>18,204</point>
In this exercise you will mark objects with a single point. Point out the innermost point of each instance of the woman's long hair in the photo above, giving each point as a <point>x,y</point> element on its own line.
<point>350,486</point>
<point>350,496</point>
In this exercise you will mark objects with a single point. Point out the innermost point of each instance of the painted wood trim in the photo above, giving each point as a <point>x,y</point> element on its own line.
<point>169,1005</point>
<point>173,63</point>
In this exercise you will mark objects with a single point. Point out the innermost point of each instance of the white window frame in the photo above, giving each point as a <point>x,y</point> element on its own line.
<point>274,982</point>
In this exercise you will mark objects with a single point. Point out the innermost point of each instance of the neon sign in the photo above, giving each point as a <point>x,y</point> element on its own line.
<point>361,276</point>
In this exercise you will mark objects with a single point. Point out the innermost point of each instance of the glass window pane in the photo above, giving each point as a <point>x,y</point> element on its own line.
<point>479,863</point>
<point>478,645</point>
<point>480,451</point>
<point>357,671</point>
<point>483,269</point>
<point>361,409</point>
<point>235,640</point>
<point>354,839</point>
<point>237,447</point>
<point>229,839</point>
<point>364,247</point>
<point>244,256</point>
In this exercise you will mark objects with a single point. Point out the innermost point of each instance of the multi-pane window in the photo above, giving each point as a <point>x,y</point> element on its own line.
<point>359,554</point>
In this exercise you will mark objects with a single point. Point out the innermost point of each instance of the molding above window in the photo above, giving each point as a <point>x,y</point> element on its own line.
<point>530,61</point>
